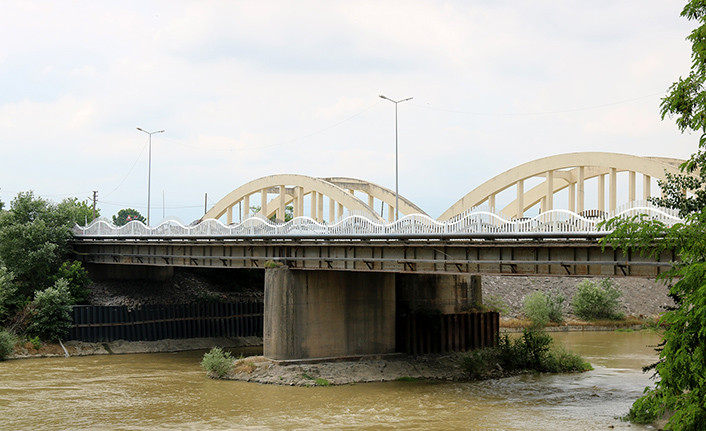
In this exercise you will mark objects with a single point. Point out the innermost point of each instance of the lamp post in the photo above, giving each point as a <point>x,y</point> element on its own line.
<point>397,178</point>
<point>149,170</point>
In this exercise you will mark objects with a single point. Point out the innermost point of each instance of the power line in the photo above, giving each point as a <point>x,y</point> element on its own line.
<point>129,172</point>
<point>539,113</point>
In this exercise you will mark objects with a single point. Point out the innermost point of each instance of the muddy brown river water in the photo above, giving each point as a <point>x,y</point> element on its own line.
<point>169,391</point>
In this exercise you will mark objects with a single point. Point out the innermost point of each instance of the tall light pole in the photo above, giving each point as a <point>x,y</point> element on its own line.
<point>397,177</point>
<point>149,170</point>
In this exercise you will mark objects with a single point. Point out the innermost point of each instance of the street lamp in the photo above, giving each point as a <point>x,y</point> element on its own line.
<point>397,178</point>
<point>149,170</point>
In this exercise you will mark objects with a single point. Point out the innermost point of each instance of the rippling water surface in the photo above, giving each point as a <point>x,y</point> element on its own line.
<point>170,391</point>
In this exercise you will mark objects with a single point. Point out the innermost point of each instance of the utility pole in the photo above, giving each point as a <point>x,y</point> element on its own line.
<point>95,198</point>
<point>205,203</point>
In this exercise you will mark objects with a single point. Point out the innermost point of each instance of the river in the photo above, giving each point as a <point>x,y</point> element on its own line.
<point>163,391</point>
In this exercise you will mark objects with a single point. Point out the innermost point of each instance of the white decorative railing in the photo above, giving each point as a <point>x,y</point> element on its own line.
<point>476,222</point>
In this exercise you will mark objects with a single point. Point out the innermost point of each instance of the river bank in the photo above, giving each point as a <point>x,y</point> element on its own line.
<point>28,350</point>
<point>344,371</point>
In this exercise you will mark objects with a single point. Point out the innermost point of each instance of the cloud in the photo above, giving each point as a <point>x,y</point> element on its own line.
<point>248,89</point>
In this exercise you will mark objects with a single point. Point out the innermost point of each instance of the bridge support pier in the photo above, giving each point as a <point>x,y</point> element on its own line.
<point>321,314</point>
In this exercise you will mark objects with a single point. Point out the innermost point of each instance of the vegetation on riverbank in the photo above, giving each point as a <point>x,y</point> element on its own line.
<point>38,280</point>
<point>680,388</point>
<point>594,301</point>
<point>533,351</point>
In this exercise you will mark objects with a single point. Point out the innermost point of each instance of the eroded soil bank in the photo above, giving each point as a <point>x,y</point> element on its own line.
<point>363,370</point>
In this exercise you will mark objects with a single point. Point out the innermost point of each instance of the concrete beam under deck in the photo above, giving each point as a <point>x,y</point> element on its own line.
<point>552,257</point>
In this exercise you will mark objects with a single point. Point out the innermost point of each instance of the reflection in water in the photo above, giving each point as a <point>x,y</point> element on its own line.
<point>170,391</point>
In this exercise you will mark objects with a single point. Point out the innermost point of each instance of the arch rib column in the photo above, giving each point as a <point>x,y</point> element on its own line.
<point>313,205</point>
<point>263,202</point>
<point>613,190</point>
<point>281,207</point>
<point>581,198</point>
<point>520,198</point>
<point>646,186</point>
<point>246,206</point>
<point>550,191</point>
<point>320,208</point>
<point>299,207</point>
<point>631,186</point>
<point>601,193</point>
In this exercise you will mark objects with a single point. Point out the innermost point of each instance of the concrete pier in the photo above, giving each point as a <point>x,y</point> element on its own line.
<point>318,314</point>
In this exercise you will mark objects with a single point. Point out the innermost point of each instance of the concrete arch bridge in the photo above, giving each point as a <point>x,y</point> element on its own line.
<point>300,191</point>
<point>537,182</point>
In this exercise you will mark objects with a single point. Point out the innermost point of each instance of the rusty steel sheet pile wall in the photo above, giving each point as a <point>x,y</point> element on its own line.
<point>159,322</point>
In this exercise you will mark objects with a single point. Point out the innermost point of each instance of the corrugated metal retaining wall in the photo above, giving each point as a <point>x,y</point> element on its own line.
<point>419,333</point>
<point>158,322</point>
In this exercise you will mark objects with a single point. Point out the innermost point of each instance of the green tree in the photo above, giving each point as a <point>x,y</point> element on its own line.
<point>51,312</point>
<point>127,215</point>
<point>34,238</point>
<point>79,212</point>
<point>77,280</point>
<point>34,242</point>
<point>9,299</point>
<point>680,387</point>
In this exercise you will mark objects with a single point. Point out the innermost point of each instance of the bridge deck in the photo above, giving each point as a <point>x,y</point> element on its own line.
<point>555,255</point>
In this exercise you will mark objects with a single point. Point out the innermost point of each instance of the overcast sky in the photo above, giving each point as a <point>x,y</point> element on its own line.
<point>246,89</point>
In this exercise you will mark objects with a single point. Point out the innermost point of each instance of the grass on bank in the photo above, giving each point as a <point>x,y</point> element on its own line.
<point>534,351</point>
<point>217,362</point>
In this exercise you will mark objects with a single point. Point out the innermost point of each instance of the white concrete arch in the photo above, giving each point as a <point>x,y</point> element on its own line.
<point>376,191</point>
<point>563,171</point>
<point>291,188</point>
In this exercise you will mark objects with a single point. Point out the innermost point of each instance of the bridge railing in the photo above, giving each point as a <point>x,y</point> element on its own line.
<point>472,222</point>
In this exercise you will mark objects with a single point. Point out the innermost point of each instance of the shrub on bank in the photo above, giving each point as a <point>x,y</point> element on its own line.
<point>77,277</point>
<point>50,317</point>
<point>597,300</point>
<point>7,343</point>
<point>217,362</point>
<point>532,351</point>
<point>542,308</point>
